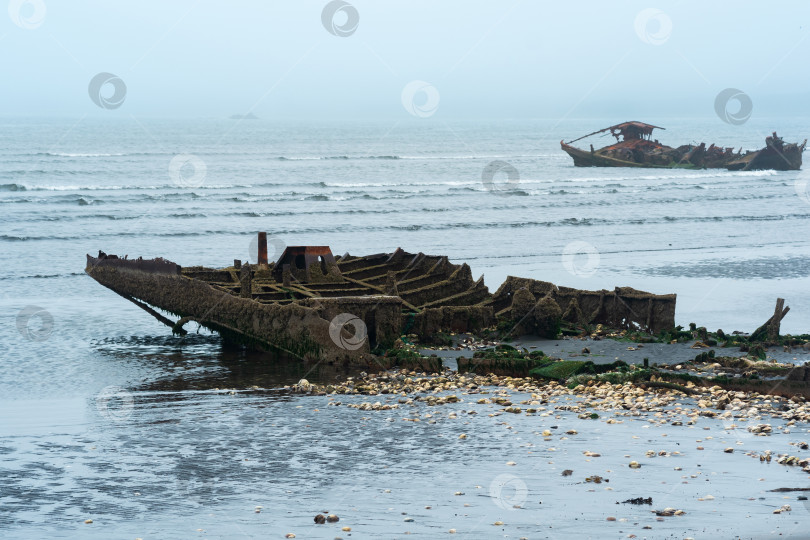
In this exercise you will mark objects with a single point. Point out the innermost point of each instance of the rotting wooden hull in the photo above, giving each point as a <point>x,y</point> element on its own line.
<point>644,153</point>
<point>595,159</point>
<point>391,294</point>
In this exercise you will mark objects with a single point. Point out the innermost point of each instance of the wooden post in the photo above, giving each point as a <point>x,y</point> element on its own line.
<point>246,282</point>
<point>770,329</point>
<point>776,320</point>
<point>262,251</point>
<point>391,284</point>
<point>286,276</point>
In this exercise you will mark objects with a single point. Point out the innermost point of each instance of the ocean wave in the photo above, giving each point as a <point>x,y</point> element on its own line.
<point>681,175</point>
<point>428,226</point>
<point>326,158</point>
<point>42,276</point>
<point>73,155</point>
<point>97,187</point>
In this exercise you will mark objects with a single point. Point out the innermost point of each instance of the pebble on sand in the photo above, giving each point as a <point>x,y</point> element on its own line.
<point>785,508</point>
<point>635,465</point>
<point>88,521</point>
<point>289,535</point>
<point>346,529</point>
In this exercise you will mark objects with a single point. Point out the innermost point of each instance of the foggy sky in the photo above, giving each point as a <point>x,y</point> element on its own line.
<point>486,59</point>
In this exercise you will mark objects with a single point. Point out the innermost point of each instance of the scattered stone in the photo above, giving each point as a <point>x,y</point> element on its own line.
<point>88,521</point>
<point>635,465</point>
<point>667,512</point>
<point>784,508</point>
<point>332,518</point>
<point>320,519</point>
<point>567,472</point>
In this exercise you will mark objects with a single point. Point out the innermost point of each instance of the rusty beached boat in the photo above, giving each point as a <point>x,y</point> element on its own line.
<point>635,147</point>
<point>342,310</point>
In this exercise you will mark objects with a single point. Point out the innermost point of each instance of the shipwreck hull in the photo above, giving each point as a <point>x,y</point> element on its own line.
<point>293,328</point>
<point>623,307</point>
<point>292,305</point>
<point>594,159</point>
<point>637,149</point>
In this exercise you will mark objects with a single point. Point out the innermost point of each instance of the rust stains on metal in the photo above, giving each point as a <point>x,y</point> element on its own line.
<point>635,147</point>
<point>262,250</point>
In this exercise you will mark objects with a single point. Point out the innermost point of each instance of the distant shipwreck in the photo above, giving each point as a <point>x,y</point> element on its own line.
<point>348,310</point>
<point>635,148</point>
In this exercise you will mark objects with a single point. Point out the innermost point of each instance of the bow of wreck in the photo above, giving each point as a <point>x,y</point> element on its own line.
<point>347,310</point>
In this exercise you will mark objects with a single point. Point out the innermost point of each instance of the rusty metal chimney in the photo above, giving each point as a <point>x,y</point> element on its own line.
<point>262,251</point>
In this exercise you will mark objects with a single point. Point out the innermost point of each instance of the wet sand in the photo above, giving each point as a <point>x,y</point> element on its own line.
<point>197,464</point>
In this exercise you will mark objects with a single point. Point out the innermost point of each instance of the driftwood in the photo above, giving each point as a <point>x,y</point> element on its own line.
<point>770,329</point>
<point>667,385</point>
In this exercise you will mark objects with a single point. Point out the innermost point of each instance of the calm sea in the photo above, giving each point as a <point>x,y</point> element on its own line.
<point>197,191</point>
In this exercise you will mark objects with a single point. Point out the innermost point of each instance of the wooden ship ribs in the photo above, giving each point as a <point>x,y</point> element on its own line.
<point>301,304</point>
